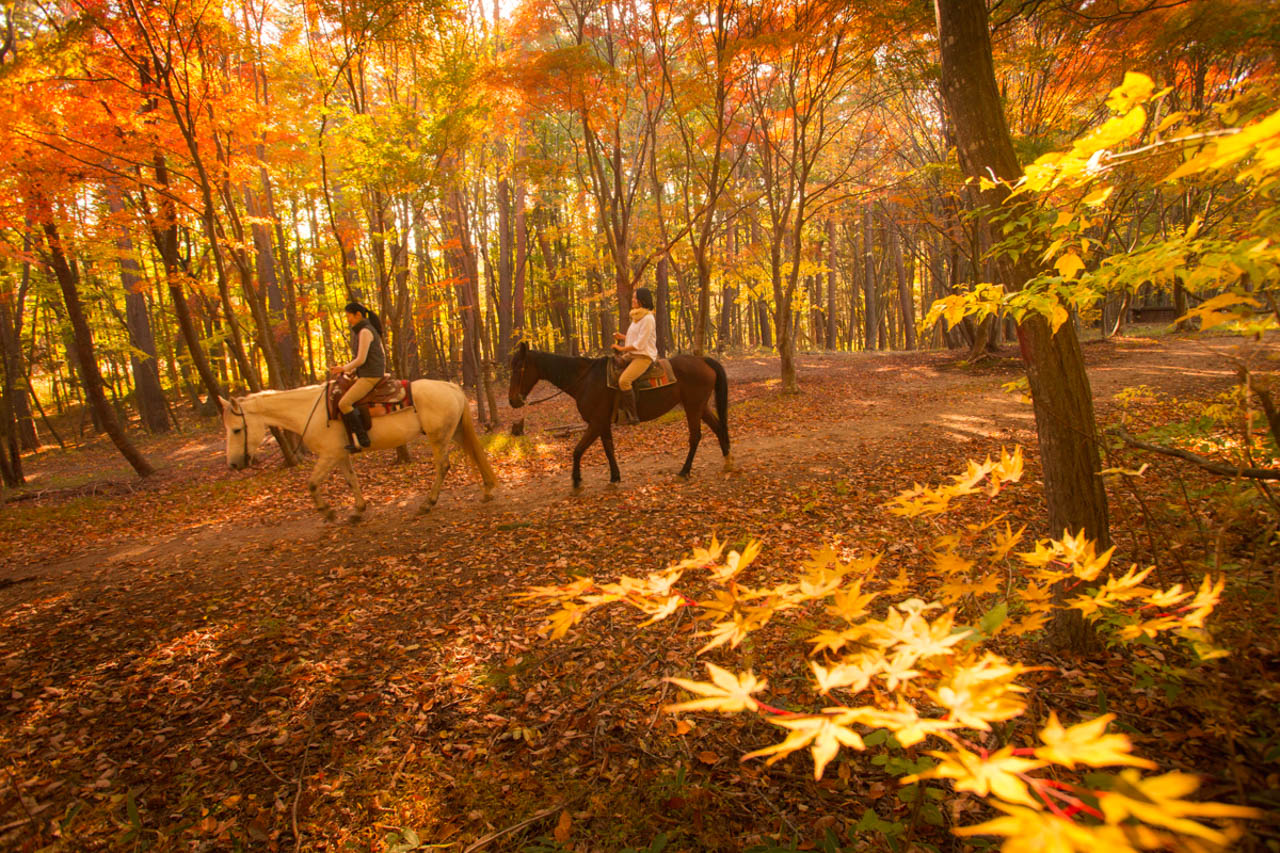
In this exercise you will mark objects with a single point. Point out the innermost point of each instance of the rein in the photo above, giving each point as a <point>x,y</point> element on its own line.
<point>524,365</point>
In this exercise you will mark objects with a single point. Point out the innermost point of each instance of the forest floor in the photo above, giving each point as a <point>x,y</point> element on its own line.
<point>198,661</point>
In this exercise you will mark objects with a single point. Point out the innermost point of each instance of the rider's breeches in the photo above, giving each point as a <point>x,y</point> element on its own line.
<point>363,385</point>
<point>633,371</point>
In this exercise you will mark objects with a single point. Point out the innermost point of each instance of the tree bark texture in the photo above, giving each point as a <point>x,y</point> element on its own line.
<point>1060,389</point>
<point>90,376</point>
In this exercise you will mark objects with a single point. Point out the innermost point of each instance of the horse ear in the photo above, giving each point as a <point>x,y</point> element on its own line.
<point>224,403</point>
<point>524,347</point>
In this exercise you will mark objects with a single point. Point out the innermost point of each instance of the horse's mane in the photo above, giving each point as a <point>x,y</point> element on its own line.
<point>562,370</point>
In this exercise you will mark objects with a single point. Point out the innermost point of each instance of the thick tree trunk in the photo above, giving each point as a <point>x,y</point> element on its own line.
<point>152,408</point>
<point>662,300</point>
<point>1060,392</point>
<point>85,358</point>
<point>16,388</point>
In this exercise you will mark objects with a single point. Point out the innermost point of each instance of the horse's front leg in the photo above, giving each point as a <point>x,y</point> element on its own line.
<point>324,466</point>
<point>588,437</point>
<point>344,465</point>
<point>606,441</point>
<point>440,458</point>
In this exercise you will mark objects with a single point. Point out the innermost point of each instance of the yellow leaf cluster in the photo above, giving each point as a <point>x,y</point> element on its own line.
<point>923,674</point>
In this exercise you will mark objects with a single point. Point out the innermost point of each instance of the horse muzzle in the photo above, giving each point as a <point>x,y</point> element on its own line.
<point>516,400</point>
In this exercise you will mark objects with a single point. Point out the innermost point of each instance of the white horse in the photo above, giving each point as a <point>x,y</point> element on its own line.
<point>440,412</point>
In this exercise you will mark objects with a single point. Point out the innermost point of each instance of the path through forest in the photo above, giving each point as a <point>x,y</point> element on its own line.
<point>208,650</point>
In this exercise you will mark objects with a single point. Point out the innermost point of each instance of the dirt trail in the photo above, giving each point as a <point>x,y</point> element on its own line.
<point>910,400</point>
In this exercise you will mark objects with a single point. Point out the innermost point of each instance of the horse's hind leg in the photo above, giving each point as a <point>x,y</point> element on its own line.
<point>440,458</point>
<point>695,436</point>
<point>320,473</point>
<point>722,433</point>
<point>591,434</point>
<point>606,441</point>
<point>344,465</point>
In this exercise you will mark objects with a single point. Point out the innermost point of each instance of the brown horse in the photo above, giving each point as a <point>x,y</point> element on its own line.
<point>583,379</point>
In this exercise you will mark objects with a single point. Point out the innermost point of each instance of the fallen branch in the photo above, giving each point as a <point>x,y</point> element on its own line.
<point>494,836</point>
<point>1207,464</point>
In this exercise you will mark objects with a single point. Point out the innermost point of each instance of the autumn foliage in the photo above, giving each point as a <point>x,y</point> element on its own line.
<point>924,669</point>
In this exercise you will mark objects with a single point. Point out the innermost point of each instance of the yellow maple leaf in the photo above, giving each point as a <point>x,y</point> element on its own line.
<point>950,563</point>
<point>1086,743</point>
<point>981,693</point>
<point>1003,543</point>
<point>853,673</point>
<point>908,727</point>
<point>850,603</point>
<point>998,774</point>
<point>1158,800</point>
<point>727,692</point>
<point>736,562</point>
<point>1031,831</point>
<point>1028,623</point>
<point>899,585</point>
<point>825,733</point>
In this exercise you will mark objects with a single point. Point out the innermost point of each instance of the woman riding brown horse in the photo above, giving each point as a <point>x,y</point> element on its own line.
<point>697,379</point>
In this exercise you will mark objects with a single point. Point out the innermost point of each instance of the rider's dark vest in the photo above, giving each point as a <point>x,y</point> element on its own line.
<point>375,363</point>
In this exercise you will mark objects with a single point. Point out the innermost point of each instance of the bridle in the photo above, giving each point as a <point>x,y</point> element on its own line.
<point>524,361</point>
<point>236,409</point>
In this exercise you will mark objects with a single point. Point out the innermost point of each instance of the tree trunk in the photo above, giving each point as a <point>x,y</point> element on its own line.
<point>1060,390</point>
<point>831,284</point>
<point>85,358</point>
<point>906,300</point>
<point>146,371</point>
<point>662,300</point>
<point>870,304</point>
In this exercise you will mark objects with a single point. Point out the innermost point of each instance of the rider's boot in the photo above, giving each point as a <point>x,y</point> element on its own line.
<point>627,406</point>
<point>357,436</point>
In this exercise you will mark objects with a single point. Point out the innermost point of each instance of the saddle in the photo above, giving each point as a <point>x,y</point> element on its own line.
<point>388,396</point>
<point>659,374</point>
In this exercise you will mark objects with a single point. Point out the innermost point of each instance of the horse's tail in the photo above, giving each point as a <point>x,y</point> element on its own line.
<point>466,436</point>
<point>722,393</point>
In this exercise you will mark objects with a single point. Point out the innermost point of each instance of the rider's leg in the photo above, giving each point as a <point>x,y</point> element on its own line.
<point>350,419</point>
<point>626,394</point>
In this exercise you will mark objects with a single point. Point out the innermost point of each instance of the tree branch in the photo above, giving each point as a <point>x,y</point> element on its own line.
<point>1207,464</point>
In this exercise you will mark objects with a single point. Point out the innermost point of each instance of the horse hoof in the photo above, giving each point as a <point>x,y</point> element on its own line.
<point>330,515</point>
<point>576,491</point>
<point>728,464</point>
<point>683,475</point>
<point>425,508</point>
<point>488,496</point>
<point>355,518</point>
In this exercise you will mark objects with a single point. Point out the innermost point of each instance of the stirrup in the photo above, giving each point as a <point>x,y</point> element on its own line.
<point>355,442</point>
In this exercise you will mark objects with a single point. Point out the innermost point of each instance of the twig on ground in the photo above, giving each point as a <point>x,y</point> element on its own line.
<point>297,794</point>
<point>515,827</point>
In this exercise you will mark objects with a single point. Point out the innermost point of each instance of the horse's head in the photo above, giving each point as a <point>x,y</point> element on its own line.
<point>245,433</point>
<point>524,375</point>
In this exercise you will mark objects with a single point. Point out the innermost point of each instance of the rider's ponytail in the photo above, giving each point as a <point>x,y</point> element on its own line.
<point>354,307</point>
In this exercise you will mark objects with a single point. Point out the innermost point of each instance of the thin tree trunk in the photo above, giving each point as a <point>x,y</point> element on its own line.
<point>85,358</point>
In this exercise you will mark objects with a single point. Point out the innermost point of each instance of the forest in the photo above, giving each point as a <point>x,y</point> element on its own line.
<point>991,288</point>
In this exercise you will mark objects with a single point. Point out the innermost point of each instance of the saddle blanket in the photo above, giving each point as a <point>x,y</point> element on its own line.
<point>388,396</point>
<point>659,375</point>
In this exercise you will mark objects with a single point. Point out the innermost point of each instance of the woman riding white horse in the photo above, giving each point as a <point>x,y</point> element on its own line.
<point>440,412</point>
